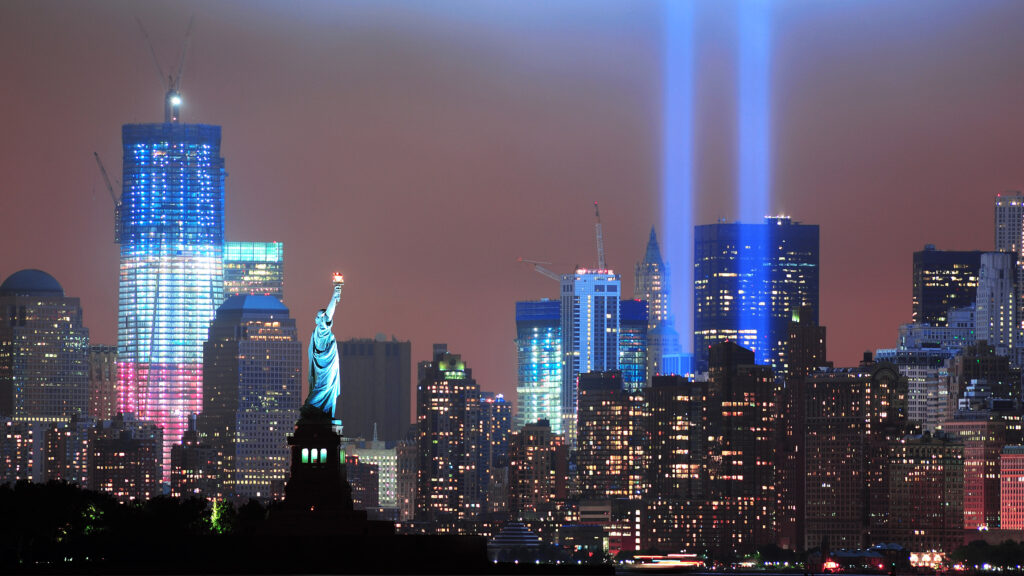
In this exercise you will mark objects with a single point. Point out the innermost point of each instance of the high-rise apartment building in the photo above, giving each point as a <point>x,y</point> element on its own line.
<point>538,471</point>
<point>746,292</point>
<point>676,472</point>
<point>997,302</point>
<point>590,333</point>
<point>611,451</point>
<point>102,382</point>
<point>854,415</point>
<point>255,268</point>
<point>807,352</point>
<point>197,467</point>
<point>943,280</point>
<point>385,456</point>
<point>539,363</point>
<point>171,230</point>
<point>44,350</point>
<point>926,495</point>
<point>252,391</point>
<point>375,387</point>
<point>983,440</point>
<point>448,421</point>
<point>927,382</point>
<point>492,468</point>
<point>67,451</point>
<point>125,458</point>
<point>633,344</point>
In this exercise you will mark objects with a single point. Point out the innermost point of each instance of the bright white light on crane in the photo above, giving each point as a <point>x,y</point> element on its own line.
<point>176,100</point>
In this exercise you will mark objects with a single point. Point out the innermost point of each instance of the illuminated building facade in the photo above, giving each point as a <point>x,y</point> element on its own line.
<point>590,333</point>
<point>539,363</point>
<point>495,428</point>
<point>197,467</point>
<point>610,450</point>
<point>983,440</point>
<point>943,279</point>
<point>102,382</point>
<point>407,484</point>
<point>997,301</point>
<point>854,415</point>
<point>252,391</point>
<point>255,268</point>
<point>448,420</point>
<point>538,471</point>
<point>67,451</point>
<point>385,456</point>
<point>21,451</point>
<point>375,387</point>
<point>171,230</point>
<point>926,495</point>
<point>44,350</point>
<point>364,478</point>
<point>633,350</point>
<point>927,382</point>
<point>748,280</point>
<point>126,458</point>
<point>676,473</point>
<point>737,515</point>
<point>1011,488</point>
<point>807,351</point>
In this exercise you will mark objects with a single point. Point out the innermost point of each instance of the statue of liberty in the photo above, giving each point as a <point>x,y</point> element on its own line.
<point>324,377</point>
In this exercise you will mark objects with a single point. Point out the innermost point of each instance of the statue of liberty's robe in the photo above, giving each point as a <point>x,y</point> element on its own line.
<point>324,377</point>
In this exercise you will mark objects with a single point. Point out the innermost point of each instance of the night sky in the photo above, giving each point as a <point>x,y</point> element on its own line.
<point>421,147</point>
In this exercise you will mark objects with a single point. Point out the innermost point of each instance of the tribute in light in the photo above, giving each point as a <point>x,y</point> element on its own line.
<point>677,158</point>
<point>754,193</point>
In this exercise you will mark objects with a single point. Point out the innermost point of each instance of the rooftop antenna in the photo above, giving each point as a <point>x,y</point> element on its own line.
<point>600,239</point>
<point>172,99</point>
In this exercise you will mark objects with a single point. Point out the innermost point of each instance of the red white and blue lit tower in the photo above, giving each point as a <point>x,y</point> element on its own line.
<point>170,225</point>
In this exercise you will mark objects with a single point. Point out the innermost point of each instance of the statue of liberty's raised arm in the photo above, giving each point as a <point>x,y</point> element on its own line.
<point>324,377</point>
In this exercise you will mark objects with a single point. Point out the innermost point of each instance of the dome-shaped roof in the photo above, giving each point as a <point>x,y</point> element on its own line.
<point>31,281</point>
<point>253,303</point>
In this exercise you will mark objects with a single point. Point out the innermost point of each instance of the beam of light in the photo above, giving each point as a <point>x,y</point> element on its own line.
<point>754,193</point>
<point>677,160</point>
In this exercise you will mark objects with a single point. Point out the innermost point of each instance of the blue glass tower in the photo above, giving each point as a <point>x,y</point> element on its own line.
<point>171,229</point>
<point>633,350</point>
<point>539,363</point>
<point>748,279</point>
<point>590,333</point>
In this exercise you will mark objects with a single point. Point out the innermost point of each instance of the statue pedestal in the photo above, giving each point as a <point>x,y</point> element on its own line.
<point>318,482</point>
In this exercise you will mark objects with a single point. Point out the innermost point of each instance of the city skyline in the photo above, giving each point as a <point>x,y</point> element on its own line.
<point>402,108</point>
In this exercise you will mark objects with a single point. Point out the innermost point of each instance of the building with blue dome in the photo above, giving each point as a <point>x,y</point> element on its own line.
<point>252,392</point>
<point>44,350</point>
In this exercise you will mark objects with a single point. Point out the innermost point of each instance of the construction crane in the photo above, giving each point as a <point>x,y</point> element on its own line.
<point>172,100</point>
<point>538,266</point>
<point>600,239</point>
<point>113,197</point>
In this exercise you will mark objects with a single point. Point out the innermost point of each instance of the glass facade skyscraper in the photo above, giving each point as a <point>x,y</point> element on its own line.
<point>539,363</point>
<point>254,268</point>
<point>633,323</point>
<point>943,280</point>
<point>171,229</point>
<point>590,333</point>
<point>746,293</point>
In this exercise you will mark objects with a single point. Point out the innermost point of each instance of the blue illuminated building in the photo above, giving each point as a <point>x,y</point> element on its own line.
<point>633,323</point>
<point>171,230</point>
<point>748,279</point>
<point>590,333</point>
<point>539,363</point>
